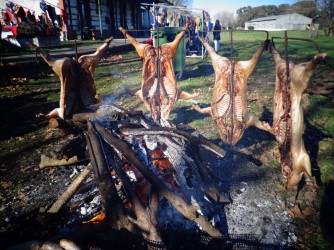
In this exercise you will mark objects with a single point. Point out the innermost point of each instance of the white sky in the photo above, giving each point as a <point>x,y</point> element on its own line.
<point>215,6</point>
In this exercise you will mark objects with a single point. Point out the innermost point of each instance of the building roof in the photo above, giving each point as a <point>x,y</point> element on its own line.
<point>156,1</point>
<point>271,18</point>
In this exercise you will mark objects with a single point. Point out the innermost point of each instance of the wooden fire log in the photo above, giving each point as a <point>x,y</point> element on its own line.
<point>210,184</point>
<point>177,133</point>
<point>146,218</point>
<point>178,151</point>
<point>70,191</point>
<point>113,205</point>
<point>189,211</point>
<point>70,153</point>
<point>47,161</point>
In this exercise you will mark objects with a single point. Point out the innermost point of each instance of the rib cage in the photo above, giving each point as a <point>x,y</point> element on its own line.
<point>159,87</point>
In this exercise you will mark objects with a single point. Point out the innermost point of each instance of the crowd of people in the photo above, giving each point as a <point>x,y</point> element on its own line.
<point>199,26</point>
<point>21,22</point>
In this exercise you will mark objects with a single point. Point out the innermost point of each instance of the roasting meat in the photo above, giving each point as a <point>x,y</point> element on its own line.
<point>288,124</point>
<point>77,86</point>
<point>228,104</point>
<point>158,88</point>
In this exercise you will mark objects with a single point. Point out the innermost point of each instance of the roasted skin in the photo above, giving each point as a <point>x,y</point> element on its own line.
<point>159,87</point>
<point>288,124</point>
<point>229,103</point>
<point>77,86</point>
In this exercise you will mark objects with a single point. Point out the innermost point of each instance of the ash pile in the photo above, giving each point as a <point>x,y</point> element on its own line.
<point>156,187</point>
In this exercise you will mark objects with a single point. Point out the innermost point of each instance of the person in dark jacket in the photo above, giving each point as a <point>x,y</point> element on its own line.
<point>216,35</point>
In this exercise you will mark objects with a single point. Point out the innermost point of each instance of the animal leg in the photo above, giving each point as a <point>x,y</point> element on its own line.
<point>90,61</point>
<point>302,167</point>
<point>173,45</point>
<point>56,64</point>
<point>186,95</point>
<point>53,114</point>
<point>202,110</point>
<point>253,121</point>
<point>138,46</point>
<point>139,94</point>
<point>250,64</point>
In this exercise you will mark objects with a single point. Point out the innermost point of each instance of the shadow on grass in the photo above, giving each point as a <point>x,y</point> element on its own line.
<point>19,112</point>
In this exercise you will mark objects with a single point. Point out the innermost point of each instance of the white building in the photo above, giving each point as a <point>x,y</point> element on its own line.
<point>281,22</point>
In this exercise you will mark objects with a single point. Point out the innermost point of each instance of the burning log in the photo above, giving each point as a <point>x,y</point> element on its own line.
<point>146,217</point>
<point>77,86</point>
<point>228,104</point>
<point>113,205</point>
<point>159,88</point>
<point>288,124</point>
<point>189,211</point>
<point>134,162</point>
<point>174,151</point>
<point>178,134</point>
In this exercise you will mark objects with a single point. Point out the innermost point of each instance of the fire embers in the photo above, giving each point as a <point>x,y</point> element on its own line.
<point>288,124</point>
<point>229,104</point>
<point>154,169</point>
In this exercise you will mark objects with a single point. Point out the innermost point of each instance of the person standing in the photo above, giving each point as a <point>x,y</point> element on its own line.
<point>216,35</point>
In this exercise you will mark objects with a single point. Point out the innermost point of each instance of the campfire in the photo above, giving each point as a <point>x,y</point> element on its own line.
<point>150,178</point>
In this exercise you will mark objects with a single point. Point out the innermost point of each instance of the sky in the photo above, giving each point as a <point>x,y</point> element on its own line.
<point>215,6</point>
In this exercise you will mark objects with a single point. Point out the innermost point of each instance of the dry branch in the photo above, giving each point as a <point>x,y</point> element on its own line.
<point>70,191</point>
<point>47,161</point>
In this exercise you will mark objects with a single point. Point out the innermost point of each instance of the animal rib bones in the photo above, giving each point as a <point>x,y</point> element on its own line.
<point>229,104</point>
<point>159,89</point>
<point>77,86</point>
<point>288,124</point>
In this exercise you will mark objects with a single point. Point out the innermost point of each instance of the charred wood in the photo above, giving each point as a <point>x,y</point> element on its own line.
<point>177,133</point>
<point>146,217</point>
<point>71,153</point>
<point>113,205</point>
<point>70,191</point>
<point>189,211</point>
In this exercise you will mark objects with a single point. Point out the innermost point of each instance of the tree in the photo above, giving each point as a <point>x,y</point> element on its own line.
<point>226,19</point>
<point>305,8</point>
<point>182,2</point>
<point>248,13</point>
<point>326,13</point>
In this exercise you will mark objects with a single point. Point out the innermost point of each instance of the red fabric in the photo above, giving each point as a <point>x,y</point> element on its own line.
<point>11,28</point>
<point>10,15</point>
<point>149,41</point>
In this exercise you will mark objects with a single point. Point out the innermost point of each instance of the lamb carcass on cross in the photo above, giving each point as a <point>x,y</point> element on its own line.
<point>77,86</point>
<point>229,100</point>
<point>159,89</point>
<point>288,124</point>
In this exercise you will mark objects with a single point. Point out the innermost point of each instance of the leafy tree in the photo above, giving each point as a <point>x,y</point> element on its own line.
<point>306,8</point>
<point>248,13</point>
<point>226,19</point>
<point>326,14</point>
<point>182,2</point>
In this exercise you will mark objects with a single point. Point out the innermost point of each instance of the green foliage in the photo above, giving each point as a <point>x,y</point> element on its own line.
<point>306,8</point>
<point>250,27</point>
